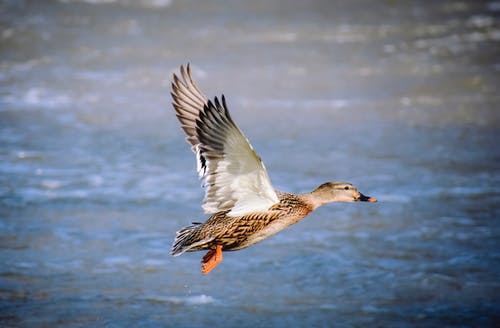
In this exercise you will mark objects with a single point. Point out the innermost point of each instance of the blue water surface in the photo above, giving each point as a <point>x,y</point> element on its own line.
<point>398,97</point>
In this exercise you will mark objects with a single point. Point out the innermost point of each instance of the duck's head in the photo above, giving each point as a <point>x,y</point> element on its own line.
<point>339,192</point>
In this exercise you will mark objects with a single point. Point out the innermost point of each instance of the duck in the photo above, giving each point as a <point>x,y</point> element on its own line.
<point>244,207</point>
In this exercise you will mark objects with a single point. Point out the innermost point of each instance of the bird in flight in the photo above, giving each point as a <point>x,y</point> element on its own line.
<point>239,196</point>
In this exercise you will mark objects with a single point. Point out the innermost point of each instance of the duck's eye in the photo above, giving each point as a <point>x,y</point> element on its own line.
<point>346,188</point>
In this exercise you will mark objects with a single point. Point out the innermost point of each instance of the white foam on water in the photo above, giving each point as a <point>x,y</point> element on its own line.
<point>188,300</point>
<point>39,97</point>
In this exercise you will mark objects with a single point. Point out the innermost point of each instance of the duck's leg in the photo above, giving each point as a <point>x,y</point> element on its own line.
<point>211,259</point>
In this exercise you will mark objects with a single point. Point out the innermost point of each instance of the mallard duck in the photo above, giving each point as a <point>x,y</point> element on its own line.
<point>239,196</point>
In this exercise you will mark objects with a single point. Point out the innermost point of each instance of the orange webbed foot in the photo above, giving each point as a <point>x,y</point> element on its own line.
<point>211,259</point>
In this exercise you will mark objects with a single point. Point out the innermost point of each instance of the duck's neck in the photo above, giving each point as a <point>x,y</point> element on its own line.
<point>312,199</point>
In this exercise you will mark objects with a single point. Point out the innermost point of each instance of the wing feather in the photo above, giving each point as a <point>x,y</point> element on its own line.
<point>234,176</point>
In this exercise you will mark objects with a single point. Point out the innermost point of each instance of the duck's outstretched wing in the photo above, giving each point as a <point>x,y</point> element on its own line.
<point>234,176</point>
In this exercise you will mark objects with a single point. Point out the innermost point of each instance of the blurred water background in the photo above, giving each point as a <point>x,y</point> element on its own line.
<point>399,97</point>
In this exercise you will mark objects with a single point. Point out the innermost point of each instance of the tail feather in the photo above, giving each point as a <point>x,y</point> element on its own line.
<point>184,242</point>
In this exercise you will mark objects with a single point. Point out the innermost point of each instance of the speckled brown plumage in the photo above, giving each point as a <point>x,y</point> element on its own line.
<point>234,233</point>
